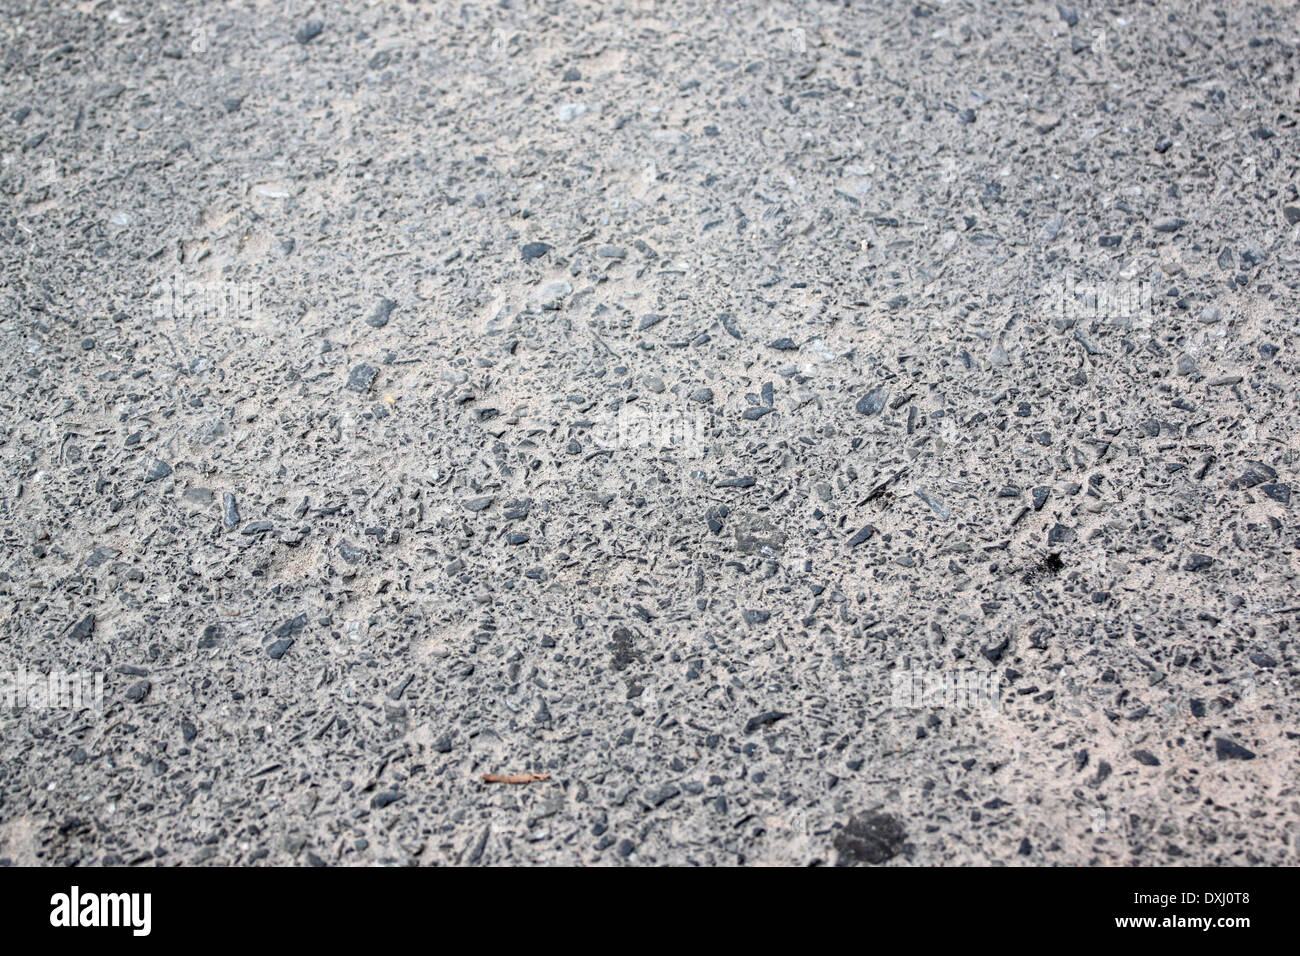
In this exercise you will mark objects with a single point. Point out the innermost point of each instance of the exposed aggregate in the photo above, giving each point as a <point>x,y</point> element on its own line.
<point>382,526</point>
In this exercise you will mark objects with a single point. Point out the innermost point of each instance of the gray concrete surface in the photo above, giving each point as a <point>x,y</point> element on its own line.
<point>808,433</point>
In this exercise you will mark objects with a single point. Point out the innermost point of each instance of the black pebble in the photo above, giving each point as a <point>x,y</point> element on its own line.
<point>1225,749</point>
<point>871,837</point>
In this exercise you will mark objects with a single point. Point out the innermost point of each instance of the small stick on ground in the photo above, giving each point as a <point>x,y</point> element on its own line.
<point>515,777</point>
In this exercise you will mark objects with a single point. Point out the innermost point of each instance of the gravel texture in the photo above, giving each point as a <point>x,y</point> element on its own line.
<point>845,433</point>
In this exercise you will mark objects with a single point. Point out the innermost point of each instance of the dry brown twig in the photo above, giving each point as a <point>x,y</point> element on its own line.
<point>515,777</point>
